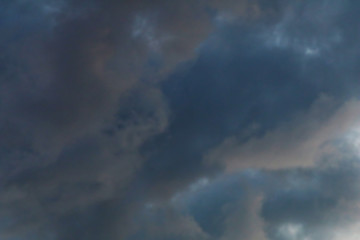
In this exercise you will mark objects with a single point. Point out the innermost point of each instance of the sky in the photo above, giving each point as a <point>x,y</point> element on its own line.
<point>179,120</point>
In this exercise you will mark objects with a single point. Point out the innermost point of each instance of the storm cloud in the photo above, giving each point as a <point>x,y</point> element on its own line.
<point>210,120</point>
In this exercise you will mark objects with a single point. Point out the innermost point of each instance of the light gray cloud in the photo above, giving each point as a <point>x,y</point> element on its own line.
<point>298,143</point>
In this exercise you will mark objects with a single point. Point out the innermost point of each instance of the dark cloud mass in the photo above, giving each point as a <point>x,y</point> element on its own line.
<point>179,120</point>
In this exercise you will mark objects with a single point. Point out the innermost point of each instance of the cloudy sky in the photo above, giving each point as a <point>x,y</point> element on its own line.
<point>179,120</point>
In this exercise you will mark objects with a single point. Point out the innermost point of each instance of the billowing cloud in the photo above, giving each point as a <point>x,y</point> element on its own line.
<point>296,203</point>
<point>124,119</point>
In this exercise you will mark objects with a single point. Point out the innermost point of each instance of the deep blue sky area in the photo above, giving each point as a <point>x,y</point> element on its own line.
<point>179,120</point>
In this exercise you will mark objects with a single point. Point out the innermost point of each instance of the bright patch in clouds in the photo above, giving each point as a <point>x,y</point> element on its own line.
<point>291,231</point>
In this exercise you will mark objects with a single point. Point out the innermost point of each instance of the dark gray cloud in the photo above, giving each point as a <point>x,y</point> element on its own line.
<point>241,83</point>
<point>316,212</point>
<point>298,203</point>
<point>123,119</point>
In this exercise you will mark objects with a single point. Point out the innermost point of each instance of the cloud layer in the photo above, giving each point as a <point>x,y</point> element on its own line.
<point>213,120</point>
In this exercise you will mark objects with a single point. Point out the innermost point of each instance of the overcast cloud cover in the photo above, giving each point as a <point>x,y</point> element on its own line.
<point>179,120</point>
